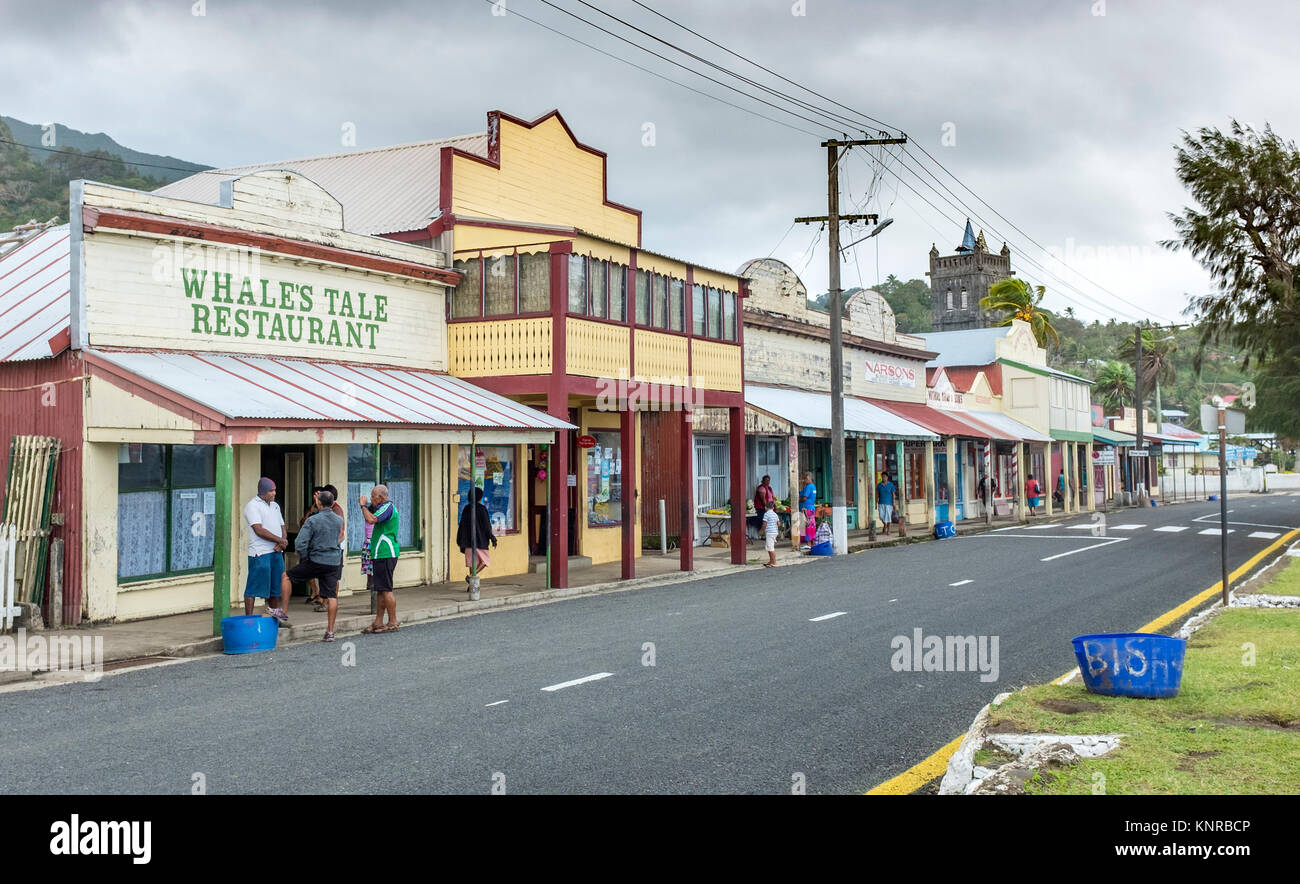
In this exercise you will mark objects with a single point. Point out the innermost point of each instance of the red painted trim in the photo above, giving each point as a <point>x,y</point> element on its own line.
<point>739,532</point>
<point>124,220</point>
<point>61,341</point>
<point>557,405</point>
<point>631,497</point>
<point>686,461</point>
<point>408,235</point>
<point>445,166</point>
<point>501,318</point>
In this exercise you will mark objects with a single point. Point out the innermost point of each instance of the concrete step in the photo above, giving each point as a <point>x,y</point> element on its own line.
<point>537,564</point>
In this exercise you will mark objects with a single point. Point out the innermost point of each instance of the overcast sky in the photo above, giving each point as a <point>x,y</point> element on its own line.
<point>1064,119</point>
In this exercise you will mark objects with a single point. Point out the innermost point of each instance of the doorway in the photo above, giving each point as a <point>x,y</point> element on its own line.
<point>293,470</point>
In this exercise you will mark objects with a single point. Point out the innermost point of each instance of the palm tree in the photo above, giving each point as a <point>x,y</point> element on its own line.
<point>1019,300</point>
<point>1114,386</point>
<point>1157,362</point>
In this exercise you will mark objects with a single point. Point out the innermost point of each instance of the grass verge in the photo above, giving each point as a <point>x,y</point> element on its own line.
<point>1234,727</point>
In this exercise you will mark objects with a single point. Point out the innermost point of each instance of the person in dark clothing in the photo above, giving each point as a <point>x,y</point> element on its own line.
<point>482,530</point>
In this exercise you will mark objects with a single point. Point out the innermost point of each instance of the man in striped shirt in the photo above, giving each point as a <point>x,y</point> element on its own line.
<point>384,550</point>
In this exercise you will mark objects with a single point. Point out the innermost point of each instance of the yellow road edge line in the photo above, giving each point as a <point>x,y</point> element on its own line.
<point>918,775</point>
<point>923,772</point>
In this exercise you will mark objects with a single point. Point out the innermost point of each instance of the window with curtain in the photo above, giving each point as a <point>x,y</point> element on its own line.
<point>535,283</point>
<point>711,472</point>
<point>467,299</point>
<point>605,481</point>
<point>729,315</point>
<point>642,297</point>
<point>578,284</point>
<point>166,509</point>
<point>599,288</point>
<point>676,304</point>
<point>660,317</point>
<point>715,313</point>
<point>697,309</point>
<point>618,292</point>
<point>494,472</point>
<point>499,285</point>
<point>391,465</point>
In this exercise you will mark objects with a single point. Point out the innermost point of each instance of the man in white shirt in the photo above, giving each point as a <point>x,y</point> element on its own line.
<point>266,544</point>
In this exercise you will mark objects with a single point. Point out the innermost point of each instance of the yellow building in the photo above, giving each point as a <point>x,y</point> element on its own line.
<point>560,309</point>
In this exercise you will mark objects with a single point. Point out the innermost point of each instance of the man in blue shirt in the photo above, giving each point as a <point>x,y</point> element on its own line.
<point>885,491</point>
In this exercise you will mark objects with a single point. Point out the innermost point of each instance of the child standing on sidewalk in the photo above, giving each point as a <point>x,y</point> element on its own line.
<point>770,525</point>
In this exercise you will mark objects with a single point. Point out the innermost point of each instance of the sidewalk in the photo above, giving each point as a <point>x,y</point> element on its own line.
<point>186,635</point>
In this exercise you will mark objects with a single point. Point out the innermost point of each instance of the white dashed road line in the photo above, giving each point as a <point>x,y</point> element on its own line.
<point>1085,548</point>
<point>1124,527</point>
<point>826,617</point>
<point>1264,535</point>
<point>586,678</point>
<point>497,703</point>
<point>961,582</point>
<point>1172,529</point>
<point>1215,532</point>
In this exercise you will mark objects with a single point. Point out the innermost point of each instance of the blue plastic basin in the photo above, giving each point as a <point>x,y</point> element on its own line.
<point>822,549</point>
<point>245,634</point>
<point>1130,664</point>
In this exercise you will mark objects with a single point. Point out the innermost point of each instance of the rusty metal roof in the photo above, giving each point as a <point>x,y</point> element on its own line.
<point>259,387</point>
<point>34,302</point>
<point>385,190</point>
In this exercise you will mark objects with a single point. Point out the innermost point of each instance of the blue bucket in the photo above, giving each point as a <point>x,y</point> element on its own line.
<point>821,549</point>
<point>944,529</point>
<point>1131,664</point>
<point>246,634</point>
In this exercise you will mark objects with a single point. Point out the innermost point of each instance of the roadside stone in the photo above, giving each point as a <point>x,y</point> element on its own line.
<point>1010,778</point>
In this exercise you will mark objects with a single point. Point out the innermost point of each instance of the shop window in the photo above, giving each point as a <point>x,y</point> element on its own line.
<point>535,283</point>
<point>166,509</point>
<point>494,472</point>
<point>697,310</point>
<point>499,285</point>
<point>467,298</point>
<point>711,473</point>
<point>578,284</point>
<point>618,292</point>
<point>915,474</point>
<point>599,287</point>
<point>605,481</point>
<point>715,313</point>
<point>772,462</point>
<point>642,297</point>
<point>729,316</point>
<point>391,465</point>
<point>660,317</point>
<point>676,304</point>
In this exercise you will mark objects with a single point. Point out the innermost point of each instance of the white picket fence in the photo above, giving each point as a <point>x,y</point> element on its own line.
<point>8,585</point>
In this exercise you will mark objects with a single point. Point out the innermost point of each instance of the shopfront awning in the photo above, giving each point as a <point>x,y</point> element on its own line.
<point>997,419</point>
<point>243,388</point>
<point>1169,439</point>
<point>813,411</point>
<point>946,423</point>
<point>1112,437</point>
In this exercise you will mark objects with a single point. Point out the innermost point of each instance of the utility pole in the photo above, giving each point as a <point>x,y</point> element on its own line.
<point>839,500</point>
<point>1137,394</point>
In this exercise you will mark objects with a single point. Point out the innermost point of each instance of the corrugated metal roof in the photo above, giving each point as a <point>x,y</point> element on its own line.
<point>813,411</point>
<point>946,423</point>
<point>1010,425</point>
<point>386,190</point>
<point>242,386</point>
<point>34,302</point>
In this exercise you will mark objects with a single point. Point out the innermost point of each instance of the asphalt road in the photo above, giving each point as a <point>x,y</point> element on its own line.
<point>747,692</point>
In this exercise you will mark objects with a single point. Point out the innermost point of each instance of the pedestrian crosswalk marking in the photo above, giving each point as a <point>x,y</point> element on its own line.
<point>1215,532</point>
<point>1172,529</point>
<point>1124,527</point>
<point>1264,535</point>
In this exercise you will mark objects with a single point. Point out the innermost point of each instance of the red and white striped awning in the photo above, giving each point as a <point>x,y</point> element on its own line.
<point>34,299</point>
<point>265,388</point>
